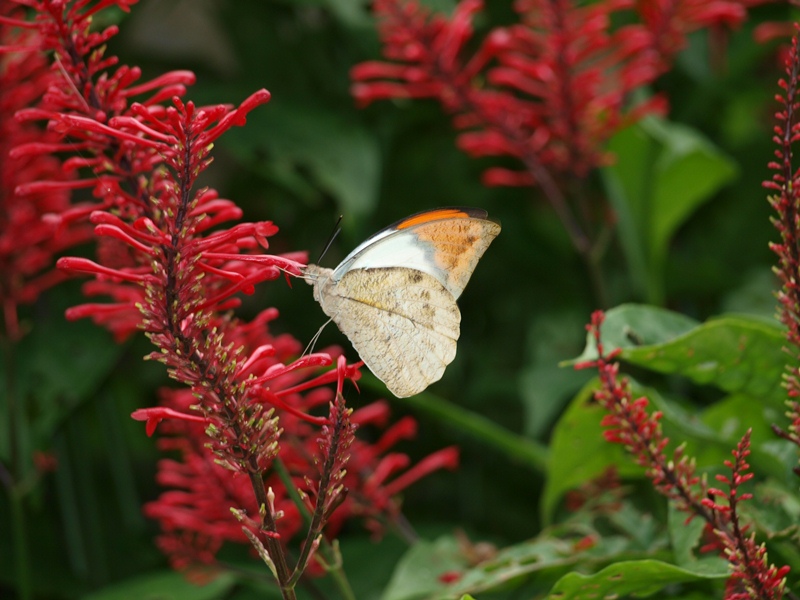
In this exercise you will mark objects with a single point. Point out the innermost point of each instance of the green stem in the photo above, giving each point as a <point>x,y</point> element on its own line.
<point>13,475</point>
<point>329,553</point>
<point>21,551</point>
<point>526,451</point>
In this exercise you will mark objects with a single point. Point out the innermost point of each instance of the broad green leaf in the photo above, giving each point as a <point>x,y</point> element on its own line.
<point>165,585</point>
<point>685,537</point>
<point>737,354</point>
<point>689,170</point>
<point>545,386</point>
<point>730,417</point>
<point>441,570</point>
<point>636,577</point>
<point>663,172</point>
<point>56,367</point>
<point>578,452</point>
<point>545,557</point>
<point>418,574</point>
<point>710,447</point>
<point>776,510</point>
<point>631,325</point>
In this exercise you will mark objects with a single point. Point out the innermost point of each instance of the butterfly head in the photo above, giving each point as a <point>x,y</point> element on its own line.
<point>317,277</point>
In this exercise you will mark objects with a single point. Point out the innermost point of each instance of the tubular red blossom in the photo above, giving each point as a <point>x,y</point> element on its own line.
<point>84,265</point>
<point>66,124</point>
<point>267,260</point>
<point>237,116</point>
<point>388,465</point>
<point>351,373</point>
<point>154,416</point>
<point>310,360</point>
<point>403,429</point>
<point>167,79</point>
<point>670,21</point>
<point>375,413</point>
<point>548,91</point>
<point>446,458</point>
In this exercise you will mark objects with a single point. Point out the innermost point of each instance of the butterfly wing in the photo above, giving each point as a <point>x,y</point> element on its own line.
<point>446,243</point>
<point>403,323</point>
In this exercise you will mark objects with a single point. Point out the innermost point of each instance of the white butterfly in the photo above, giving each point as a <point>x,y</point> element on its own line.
<point>394,296</point>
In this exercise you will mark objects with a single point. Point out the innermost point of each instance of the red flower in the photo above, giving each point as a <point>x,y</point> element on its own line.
<point>548,92</point>
<point>172,269</point>
<point>28,242</point>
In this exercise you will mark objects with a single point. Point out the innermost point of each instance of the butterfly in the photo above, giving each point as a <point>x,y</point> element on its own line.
<point>394,296</point>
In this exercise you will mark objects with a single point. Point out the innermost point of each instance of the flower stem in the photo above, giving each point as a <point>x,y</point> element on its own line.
<point>22,564</point>
<point>273,542</point>
<point>325,548</point>
<point>13,474</point>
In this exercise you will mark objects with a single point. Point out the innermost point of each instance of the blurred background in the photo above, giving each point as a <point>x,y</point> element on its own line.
<point>311,155</point>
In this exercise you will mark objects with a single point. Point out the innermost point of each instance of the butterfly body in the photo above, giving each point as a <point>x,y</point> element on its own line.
<point>395,295</point>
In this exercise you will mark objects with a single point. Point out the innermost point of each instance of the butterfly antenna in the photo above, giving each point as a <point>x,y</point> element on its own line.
<point>336,230</point>
<point>310,348</point>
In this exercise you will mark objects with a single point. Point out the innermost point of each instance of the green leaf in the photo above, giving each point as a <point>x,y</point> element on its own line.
<point>634,325</point>
<point>730,417</point>
<point>737,354</point>
<point>418,572</point>
<point>635,577</point>
<point>777,509</point>
<point>165,585</point>
<point>56,367</point>
<point>578,452</point>
<point>486,431</point>
<point>685,537</point>
<point>546,387</point>
<point>664,171</point>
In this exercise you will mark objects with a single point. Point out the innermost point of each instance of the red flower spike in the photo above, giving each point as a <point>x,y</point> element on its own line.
<point>640,433</point>
<point>785,200</point>
<point>548,91</point>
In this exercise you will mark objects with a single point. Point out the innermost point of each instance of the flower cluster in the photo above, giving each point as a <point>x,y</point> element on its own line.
<point>172,269</point>
<point>27,242</point>
<point>630,424</point>
<point>548,91</point>
<point>751,575</point>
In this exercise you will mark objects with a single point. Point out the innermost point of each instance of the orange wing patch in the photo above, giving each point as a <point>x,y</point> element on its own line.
<point>433,215</point>
<point>458,245</point>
